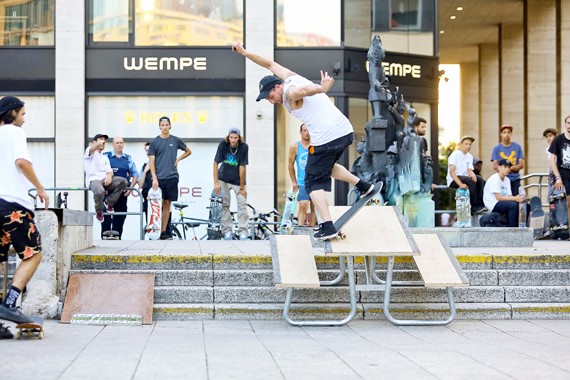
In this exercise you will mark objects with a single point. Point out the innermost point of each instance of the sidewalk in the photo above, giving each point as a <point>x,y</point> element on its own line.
<point>491,349</point>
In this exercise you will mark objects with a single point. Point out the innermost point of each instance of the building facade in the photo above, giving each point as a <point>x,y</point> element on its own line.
<point>117,66</point>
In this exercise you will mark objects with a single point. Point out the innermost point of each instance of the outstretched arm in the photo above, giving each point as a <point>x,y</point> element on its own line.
<point>280,71</point>
<point>295,93</point>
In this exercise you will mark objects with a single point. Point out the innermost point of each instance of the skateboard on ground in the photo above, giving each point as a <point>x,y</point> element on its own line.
<point>110,235</point>
<point>344,218</point>
<point>558,215</point>
<point>155,220</point>
<point>34,329</point>
<point>288,215</point>
<point>522,209</point>
<point>463,208</point>
<point>536,220</point>
<point>215,216</point>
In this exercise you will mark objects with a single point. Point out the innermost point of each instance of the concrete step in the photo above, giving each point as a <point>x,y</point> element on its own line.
<point>274,311</point>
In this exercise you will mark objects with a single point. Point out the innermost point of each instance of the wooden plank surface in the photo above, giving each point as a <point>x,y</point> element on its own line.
<point>294,262</point>
<point>435,264</point>
<point>374,231</point>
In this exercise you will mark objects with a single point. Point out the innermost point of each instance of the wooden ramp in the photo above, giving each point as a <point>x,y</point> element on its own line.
<point>109,294</point>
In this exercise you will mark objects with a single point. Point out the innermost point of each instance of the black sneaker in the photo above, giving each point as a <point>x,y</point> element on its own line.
<point>326,231</point>
<point>13,314</point>
<point>364,188</point>
<point>478,210</point>
<point>5,333</point>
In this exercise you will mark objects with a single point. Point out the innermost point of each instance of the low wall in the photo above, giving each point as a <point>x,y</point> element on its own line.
<point>63,232</point>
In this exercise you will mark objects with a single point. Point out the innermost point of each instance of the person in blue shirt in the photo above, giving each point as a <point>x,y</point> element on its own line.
<point>298,153</point>
<point>509,150</point>
<point>123,166</point>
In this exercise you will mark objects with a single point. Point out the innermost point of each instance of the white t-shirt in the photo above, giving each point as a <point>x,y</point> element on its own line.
<point>324,121</point>
<point>96,166</point>
<point>462,162</point>
<point>493,186</point>
<point>14,185</point>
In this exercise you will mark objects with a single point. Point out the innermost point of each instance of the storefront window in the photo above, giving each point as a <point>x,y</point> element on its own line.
<point>308,23</point>
<point>188,22</point>
<point>109,20</point>
<point>405,26</point>
<point>27,22</point>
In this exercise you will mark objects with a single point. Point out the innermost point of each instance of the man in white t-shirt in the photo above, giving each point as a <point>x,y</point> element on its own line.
<point>460,174</point>
<point>99,177</point>
<point>498,196</point>
<point>17,227</point>
<point>331,131</point>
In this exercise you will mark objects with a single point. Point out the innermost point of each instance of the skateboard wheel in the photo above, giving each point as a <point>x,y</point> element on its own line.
<point>41,335</point>
<point>342,236</point>
<point>18,334</point>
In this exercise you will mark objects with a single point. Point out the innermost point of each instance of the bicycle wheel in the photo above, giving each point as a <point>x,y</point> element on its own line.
<point>175,233</point>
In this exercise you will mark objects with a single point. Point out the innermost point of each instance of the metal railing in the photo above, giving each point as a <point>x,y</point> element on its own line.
<point>33,194</point>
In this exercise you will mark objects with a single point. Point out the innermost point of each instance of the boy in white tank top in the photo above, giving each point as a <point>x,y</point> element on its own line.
<point>331,132</point>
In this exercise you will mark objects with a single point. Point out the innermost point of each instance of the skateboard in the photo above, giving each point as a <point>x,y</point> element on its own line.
<point>286,226</point>
<point>344,218</point>
<point>215,216</point>
<point>558,215</point>
<point>110,235</point>
<point>536,220</point>
<point>463,208</point>
<point>522,209</point>
<point>34,329</point>
<point>155,220</point>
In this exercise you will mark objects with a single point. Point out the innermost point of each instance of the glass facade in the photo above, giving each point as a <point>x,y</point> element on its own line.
<point>27,22</point>
<point>166,22</point>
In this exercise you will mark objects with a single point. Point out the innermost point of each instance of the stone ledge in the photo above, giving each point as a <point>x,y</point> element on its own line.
<point>482,236</point>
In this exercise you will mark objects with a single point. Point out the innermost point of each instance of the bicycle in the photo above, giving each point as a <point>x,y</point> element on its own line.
<point>260,223</point>
<point>186,223</point>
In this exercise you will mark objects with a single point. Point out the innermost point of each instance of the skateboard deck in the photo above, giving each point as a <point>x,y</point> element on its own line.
<point>31,330</point>
<point>215,216</point>
<point>463,208</point>
<point>536,220</point>
<point>558,215</point>
<point>522,209</point>
<point>110,235</point>
<point>344,218</point>
<point>155,220</point>
<point>287,217</point>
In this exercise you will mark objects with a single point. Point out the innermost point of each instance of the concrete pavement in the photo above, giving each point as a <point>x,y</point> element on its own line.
<point>214,349</point>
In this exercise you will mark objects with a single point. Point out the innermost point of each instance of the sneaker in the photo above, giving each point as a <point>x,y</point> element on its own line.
<point>5,333</point>
<point>164,236</point>
<point>243,237</point>
<point>109,208</point>
<point>13,314</point>
<point>326,231</point>
<point>478,210</point>
<point>370,188</point>
<point>99,216</point>
<point>228,236</point>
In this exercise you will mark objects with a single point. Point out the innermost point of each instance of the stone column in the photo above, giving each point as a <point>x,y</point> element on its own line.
<point>564,58</point>
<point>259,33</point>
<point>541,88</point>
<point>512,79</point>
<point>489,103</point>
<point>70,97</point>
<point>470,103</point>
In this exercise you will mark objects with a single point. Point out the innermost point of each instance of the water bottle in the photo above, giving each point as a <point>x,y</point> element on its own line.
<point>522,209</point>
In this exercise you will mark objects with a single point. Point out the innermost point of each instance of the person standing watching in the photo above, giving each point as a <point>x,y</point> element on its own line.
<point>560,158</point>
<point>509,150</point>
<point>460,174</point>
<point>99,177</point>
<point>16,216</point>
<point>123,166</point>
<point>298,153</point>
<point>331,131</point>
<point>229,174</point>
<point>163,162</point>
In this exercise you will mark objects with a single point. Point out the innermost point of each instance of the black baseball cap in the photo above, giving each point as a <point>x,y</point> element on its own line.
<point>266,84</point>
<point>9,103</point>
<point>505,162</point>
<point>99,135</point>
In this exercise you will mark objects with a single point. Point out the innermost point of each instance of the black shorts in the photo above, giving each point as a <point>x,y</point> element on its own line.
<point>169,188</point>
<point>321,160</point>
<point>19,230</point>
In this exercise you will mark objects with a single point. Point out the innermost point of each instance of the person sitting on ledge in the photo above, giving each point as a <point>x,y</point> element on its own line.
<point>498,196</point>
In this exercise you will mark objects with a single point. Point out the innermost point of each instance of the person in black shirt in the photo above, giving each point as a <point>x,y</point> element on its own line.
<point>229,174</point>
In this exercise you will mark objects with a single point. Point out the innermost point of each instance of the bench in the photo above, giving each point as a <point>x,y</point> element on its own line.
<point>294,265</point>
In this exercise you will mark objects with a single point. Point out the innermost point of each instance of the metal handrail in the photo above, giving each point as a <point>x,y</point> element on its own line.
<point>85,189</point>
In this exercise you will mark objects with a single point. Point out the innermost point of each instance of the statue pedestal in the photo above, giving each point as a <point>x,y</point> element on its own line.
<point>419,210</point>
